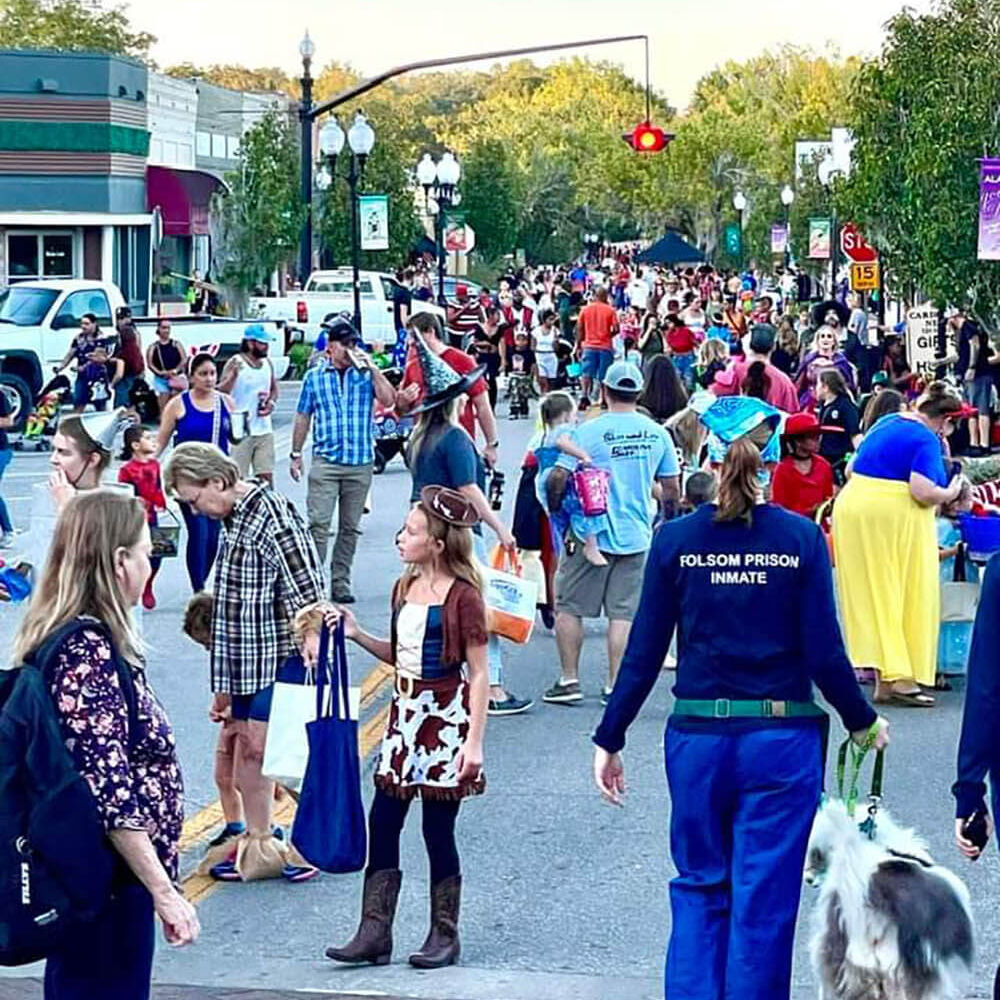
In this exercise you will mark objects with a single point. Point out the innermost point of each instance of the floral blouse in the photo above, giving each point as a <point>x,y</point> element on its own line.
<point>137,787</point>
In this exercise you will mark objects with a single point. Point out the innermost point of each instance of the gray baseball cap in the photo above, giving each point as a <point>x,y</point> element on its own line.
<point>623,376</point>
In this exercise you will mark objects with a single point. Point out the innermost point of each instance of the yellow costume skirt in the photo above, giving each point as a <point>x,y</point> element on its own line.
<point>887,576</point>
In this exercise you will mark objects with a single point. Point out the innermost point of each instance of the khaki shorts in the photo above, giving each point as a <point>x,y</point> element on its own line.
<point>256,449</point>
<point>583,589</point>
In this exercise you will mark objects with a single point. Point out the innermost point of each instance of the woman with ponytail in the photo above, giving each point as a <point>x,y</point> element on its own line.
<point>749,589</point>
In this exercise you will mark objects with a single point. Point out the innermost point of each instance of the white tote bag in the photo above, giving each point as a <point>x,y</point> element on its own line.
<point>293,704</point>
<point>510,599</point>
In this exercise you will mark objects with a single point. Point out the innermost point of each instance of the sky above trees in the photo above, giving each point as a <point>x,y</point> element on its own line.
<point>688,37</point>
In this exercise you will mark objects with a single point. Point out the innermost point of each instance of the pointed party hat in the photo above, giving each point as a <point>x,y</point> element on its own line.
<point>103,428</point>
<point>441,382</point>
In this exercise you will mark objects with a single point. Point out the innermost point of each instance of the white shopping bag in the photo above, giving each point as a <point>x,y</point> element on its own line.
<point>293,705</point>
<point>510,598</point>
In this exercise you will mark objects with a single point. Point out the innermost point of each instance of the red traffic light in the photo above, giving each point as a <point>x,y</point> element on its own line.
<point>646,138</point>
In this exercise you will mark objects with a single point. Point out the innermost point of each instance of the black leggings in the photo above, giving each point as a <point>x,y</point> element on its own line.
<point>385,824</point>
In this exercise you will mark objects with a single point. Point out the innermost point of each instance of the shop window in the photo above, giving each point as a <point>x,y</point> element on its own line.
<point>39,255</point>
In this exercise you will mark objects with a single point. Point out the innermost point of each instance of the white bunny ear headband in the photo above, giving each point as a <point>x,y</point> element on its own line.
<point>212,349</point>
<point>103,428</point>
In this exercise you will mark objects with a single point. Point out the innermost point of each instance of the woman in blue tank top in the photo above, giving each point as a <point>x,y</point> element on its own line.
<point>200,414</point>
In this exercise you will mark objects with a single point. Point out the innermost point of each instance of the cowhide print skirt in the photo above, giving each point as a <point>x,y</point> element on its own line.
<point>427,726</point>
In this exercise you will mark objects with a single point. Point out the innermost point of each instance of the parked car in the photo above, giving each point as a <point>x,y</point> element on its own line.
<point>39,319</point>
<point>333,291</point>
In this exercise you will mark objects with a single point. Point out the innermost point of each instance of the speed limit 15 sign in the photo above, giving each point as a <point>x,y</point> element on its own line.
<point>864,277</point>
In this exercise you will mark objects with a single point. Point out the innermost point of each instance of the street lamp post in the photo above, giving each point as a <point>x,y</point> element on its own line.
<point>360,140</point>
<point>740,204</point>
<point>307,49</point>
<point>787,197</point>
<point>439,181</point>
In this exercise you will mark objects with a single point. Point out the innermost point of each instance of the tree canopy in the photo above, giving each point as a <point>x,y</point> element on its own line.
<point>922,114</point>
<point>67,24</point>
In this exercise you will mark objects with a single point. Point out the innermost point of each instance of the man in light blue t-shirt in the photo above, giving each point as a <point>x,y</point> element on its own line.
<point>637,452</point>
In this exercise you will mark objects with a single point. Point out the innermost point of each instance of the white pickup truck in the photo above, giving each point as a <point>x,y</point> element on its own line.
<point>39,319</point>
<point>333,291</point>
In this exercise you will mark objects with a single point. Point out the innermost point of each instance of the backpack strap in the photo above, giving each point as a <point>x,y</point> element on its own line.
<point>41,660</point>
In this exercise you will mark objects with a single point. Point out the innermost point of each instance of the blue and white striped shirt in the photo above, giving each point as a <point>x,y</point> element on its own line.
<point>340,403</point>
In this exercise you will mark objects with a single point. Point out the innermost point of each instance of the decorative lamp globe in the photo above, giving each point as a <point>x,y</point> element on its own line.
<point>426,171</point>
<point>307,47</point>
<point>787,195</point>
<point>361,136</point>
<point>331,138</point>
<point>739,201</point>
<point>448,170</point>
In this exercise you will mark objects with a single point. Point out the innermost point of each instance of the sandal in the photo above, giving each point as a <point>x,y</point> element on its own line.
<point>909,699</point>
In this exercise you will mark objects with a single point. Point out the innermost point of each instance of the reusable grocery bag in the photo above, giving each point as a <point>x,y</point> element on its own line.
<point>329,828</point>
<point>293,707</point>
<point>510,599</point>
<point>959,598</point>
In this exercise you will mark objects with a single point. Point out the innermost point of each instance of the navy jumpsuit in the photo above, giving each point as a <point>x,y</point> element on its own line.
<point>756,621</point>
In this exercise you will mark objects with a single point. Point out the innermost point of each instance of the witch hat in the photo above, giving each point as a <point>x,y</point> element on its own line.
<point>103,428</point>
<point>441,382</point>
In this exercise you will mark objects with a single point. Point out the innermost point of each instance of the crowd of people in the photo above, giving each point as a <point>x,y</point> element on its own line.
<point>704,443</point>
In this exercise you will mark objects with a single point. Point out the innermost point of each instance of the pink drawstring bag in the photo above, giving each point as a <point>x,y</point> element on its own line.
<point>591,485</point>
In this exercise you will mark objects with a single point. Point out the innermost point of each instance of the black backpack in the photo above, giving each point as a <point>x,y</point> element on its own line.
<point>57,866</point>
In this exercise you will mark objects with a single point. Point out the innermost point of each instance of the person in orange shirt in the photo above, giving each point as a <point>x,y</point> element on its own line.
<point>596,327</point>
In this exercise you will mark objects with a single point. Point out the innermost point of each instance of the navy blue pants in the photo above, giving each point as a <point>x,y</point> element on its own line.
<point>202,546</point>
<point>742,809</point>
<point>110,958</point>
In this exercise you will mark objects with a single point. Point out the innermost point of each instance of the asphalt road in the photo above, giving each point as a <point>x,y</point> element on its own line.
<point>564,897</point>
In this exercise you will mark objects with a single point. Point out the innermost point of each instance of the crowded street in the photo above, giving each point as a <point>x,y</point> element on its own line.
<point>550,860</point>
<point>533,493</point>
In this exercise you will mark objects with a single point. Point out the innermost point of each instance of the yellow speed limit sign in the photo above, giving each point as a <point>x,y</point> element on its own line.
<point>864,277</point>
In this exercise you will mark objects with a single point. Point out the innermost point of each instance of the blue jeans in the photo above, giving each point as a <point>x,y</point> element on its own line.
<point>202,546</point>
<point>5,456</point>
<point>742,807</point>
<point>110,958</point>
<point>684,366</point>
<point>122,389</point>
<point>493,644</point>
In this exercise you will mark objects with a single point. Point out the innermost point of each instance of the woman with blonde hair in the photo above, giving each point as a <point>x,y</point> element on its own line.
<point>433,742</point>
<point>749,589</point>
<point>119,738</point>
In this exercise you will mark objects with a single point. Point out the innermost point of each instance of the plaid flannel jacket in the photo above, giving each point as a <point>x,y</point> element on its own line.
<point>267,569</point>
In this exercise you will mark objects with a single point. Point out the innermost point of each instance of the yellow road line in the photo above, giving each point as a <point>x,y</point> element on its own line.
<point>198,887</point>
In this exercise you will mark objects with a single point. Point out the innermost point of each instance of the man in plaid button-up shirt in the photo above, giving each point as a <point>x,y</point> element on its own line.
<point>336,399</point>
<point>266,571</point>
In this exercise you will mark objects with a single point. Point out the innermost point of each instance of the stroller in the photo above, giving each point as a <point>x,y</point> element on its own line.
<point>391,430</point>
<point>41,423</point>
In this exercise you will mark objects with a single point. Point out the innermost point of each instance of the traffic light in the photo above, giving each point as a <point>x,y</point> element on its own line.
<point>646,138</point>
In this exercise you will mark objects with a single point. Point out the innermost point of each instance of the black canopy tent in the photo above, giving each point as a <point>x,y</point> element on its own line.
<point>671,249</point>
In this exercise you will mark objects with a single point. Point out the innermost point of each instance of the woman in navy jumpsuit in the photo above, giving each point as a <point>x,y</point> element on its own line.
<point>750,589</point>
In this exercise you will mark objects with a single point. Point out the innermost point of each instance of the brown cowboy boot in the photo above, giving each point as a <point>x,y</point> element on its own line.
<point>373,941</point>
<point>441,947</point>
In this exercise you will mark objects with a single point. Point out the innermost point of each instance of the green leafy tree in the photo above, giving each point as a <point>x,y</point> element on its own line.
<point>260,217</point>
<point>235,77</point>
<point>489,198</point>
<point>67,24</point>
<point>923,112</point>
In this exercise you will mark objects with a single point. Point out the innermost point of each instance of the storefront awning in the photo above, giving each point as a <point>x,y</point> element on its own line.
<point>183,197</point>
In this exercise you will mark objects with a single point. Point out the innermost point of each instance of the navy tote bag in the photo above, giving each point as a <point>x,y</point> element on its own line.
<point>329,829</point>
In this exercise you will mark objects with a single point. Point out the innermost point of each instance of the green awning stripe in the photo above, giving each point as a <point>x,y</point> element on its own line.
<point>77,137</point>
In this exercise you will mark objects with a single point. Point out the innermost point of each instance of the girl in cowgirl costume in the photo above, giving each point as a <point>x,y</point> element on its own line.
<point>433,742</point>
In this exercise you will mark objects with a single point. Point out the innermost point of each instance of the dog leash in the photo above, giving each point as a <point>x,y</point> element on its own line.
<point>858,754</point>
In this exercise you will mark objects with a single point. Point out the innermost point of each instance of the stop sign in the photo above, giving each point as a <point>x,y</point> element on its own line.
<point>855,246</point>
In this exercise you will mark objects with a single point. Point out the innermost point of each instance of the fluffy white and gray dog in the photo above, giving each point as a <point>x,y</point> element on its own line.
<point>890,923</point>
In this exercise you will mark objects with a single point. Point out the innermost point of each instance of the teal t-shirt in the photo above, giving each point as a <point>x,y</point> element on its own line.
<point>636,451</point>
